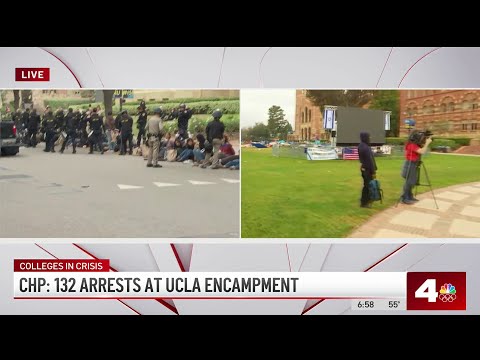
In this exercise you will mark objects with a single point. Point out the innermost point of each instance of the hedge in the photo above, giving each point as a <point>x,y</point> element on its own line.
<point>198,124</point>
<point>182,101</point>
<point>66,103</point>
<point>395,141</point>
<point>462,141</point>
<point>458,141</point>
<point>436,143</point>
<point>199,106</point>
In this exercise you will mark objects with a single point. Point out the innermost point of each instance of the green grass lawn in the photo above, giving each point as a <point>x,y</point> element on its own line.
<point>294,197</point>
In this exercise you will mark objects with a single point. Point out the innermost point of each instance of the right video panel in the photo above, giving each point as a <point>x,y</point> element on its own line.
<point>360,163</point>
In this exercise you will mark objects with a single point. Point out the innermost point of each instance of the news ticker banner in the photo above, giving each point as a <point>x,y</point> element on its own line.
<point>92,279</point>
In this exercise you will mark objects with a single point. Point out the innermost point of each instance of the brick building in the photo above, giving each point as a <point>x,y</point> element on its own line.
<point>308,119</point>
<point>444,112</point>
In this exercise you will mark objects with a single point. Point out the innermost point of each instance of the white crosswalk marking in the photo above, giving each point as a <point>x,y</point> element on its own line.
<point>128,187</point>
<point>194,182</point>
<point>233,181</point>
<point>160,184</point>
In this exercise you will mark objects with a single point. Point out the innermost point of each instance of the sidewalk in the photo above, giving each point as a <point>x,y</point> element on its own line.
<point>458,216</point>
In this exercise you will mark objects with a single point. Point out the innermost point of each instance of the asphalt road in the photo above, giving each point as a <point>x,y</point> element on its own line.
<point>81,195</point>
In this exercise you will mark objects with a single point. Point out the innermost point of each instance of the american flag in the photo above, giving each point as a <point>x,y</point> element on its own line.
<point>350,154</point>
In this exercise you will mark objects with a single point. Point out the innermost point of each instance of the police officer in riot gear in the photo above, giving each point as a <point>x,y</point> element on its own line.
<point>60,120</point>
<point>126,125</point>
<point>85,117</point>
<point>17,120</point>
<point>32,128</point>
<point>183,114</point>
<point>26,118</point>
<point>71,127</point>
<point>48,126</point>
<point>141,123</point>
<point>214,131</point>
<point>97,128</point>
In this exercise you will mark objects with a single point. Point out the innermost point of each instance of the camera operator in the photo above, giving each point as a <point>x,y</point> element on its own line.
<point>416,146</point>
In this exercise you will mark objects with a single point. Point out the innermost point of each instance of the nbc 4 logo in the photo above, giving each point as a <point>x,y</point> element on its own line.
<point>448,293</point>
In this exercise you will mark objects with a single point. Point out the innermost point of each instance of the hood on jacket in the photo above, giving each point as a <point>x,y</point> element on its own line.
<point>365,137</point>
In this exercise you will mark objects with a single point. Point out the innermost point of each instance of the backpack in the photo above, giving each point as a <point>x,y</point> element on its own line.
<point>375,192</point>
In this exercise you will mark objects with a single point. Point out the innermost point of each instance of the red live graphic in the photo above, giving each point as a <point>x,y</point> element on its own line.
<point>32,74</point>
<point>70,265</point>
<point>436,291</point>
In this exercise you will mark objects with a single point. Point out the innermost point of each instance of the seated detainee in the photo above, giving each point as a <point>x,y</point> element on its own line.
<point>165,144</point>
<point>177,149</point>
<point>199,149</point>
<point>227,148</point>
<point>187,153</point>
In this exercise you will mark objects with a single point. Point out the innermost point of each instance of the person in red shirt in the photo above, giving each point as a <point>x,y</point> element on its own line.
<point>416,146</point>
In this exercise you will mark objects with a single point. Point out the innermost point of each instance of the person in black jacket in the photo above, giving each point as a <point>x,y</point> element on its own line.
<point>60,120</point>
<point>183,114</point>
<point>32,128</point>
<point>71,127</point>
<point>97,128</point>
<point>126,125</point>
<point>368,167</point>
<point>26,118</point>
<point>49,126</point>
<point>214,130</point>
<point>141,123</point>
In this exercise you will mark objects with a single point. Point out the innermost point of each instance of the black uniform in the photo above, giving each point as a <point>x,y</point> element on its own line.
<point>71,127</point>
<point>60,121</point>
<point>25,119</point>
<point>97,129</point>
<point>214,130</point>
<point>83,128</point>
<point>17,120</point>
<point>183,117</point>
<point>141,123</point>
<point>126,124</point>
<point>48,125</point>
<point>32,126</point>
<point>368,166</point>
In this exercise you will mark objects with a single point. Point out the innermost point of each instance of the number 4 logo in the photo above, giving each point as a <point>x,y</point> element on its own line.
<point>428,290</point>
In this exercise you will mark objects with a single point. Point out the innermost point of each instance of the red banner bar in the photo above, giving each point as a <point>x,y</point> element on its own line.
<point>32,74</point>
<point>91,265</point>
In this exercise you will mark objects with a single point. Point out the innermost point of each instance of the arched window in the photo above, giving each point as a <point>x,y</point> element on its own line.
<point>469,102</point>
<point>303,117</point>
<point>428,107</point>
<point>309,133</point>
<point>310,115</point>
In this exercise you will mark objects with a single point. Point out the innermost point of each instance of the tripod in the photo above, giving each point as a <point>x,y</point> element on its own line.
<point>419,166</point>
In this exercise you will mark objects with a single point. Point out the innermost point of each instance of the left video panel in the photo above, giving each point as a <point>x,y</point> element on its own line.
<point>119,163</point>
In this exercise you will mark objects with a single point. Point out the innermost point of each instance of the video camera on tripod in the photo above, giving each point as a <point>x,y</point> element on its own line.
<point>420,137</point>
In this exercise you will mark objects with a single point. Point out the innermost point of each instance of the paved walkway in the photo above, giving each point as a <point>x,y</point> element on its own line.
<point>458,216</point>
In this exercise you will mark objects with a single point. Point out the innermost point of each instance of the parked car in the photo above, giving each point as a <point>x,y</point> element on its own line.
<point>9,144</point>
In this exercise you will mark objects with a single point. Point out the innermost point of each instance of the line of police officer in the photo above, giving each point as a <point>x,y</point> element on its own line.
<point>73,125</point>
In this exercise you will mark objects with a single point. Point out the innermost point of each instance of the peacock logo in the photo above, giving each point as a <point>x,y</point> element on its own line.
<point>447,293</point>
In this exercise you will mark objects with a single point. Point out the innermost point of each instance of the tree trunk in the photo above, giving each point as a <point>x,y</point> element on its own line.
<point>16,99</point>
<point>27,97</point>
<point>108,100</point>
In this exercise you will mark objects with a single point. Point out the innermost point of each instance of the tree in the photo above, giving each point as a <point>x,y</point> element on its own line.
<point>356,98</point>
<point>278,126</point>
<point>108,100</point>
<point>16,99</point>
<point>27,97</point>
<point>388,100</point>
<point>258,132</point>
